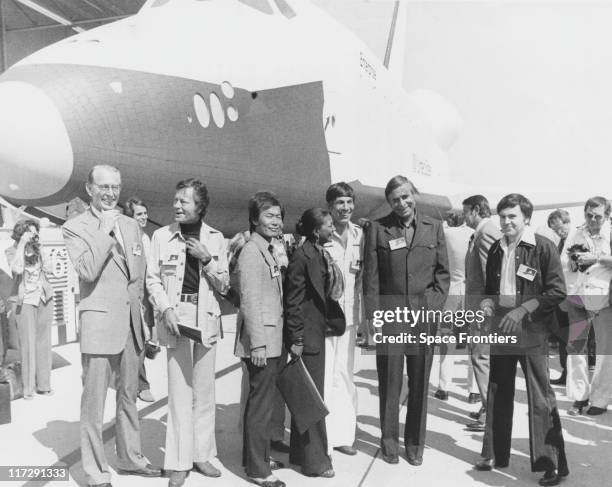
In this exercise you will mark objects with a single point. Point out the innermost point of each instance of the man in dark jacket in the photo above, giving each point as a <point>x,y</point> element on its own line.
<point>405,269</point>
<point>524,284</point>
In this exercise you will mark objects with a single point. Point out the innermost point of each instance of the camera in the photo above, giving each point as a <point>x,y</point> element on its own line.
<point>574,252</point>
<point>31,250</point>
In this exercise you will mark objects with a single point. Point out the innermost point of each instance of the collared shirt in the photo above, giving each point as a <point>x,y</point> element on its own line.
<point>507,283</point>
<point>593,284</point>
<point>350,261</point>
<point>166,269</point>
<point>407,230</point>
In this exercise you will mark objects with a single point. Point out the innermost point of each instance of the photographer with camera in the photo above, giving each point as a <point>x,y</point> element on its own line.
<point>588,269</point>
<point>32,303</point>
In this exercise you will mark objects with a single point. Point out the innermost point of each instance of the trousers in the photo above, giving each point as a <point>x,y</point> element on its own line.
<point>258,416</point>
<point>390,369</point>
<point>546,445</point>
<point>340,391</point>
<point>34,327</point>
<point>190,435</point>
<point>97,373</point>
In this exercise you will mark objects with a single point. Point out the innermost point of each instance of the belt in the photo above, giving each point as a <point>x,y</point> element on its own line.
<point>189,298</point>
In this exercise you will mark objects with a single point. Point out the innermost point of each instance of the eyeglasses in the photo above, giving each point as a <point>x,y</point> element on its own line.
<point>107,188</point>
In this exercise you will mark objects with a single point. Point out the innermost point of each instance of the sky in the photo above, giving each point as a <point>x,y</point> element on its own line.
<point>530,79</point>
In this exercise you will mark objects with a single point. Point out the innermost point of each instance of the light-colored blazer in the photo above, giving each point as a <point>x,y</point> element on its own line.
<point>165,272</point>
<point>111,284</point>
<point>260,320</point>
<point>485,236</point>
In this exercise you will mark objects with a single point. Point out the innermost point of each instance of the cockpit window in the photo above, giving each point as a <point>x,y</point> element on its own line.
<point>217,110</point>
<point>262,5</point>
<point>232,113</point>
<point>227,89</point>
<point>201,110</point>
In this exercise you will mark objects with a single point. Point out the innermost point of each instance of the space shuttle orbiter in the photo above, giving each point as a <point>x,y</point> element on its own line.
<point>245,94</point>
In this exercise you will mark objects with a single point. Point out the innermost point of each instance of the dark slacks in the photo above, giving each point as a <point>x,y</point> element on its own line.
<point>546,445</point>
<point>310,449</point>
<point>258,415</point>
<point>390,370</point>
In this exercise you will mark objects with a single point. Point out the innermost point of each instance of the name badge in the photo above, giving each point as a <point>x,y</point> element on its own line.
<point>274,271</point>
<point>397,243</point>
<point>356,265</point>
<point>526,272</point>
<point>172,259</point>
<point>137,249</point>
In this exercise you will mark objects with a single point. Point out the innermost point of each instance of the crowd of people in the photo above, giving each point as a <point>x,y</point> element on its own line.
<point>307,299</point>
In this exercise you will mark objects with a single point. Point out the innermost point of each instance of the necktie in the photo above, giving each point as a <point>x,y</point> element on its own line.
<point>561,244</point>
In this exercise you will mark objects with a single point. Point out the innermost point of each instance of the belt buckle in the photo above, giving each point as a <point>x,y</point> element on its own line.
<point>194,298</point>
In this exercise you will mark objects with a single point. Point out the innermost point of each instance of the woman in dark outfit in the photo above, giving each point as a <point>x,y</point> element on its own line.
<point>309,288</point>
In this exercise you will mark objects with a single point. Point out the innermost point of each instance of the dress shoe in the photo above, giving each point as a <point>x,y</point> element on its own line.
<point>595,411</point>
<point>276,465</point>
<point>416,461</point>
<point>392,458</point>
<point>477,414</point>
<point>147,471</point>
<point>45,393</point>
<point>474,397</point>
<point>476,426</point>
<point>487,464</point>
<point>442,395</point>
<point>280,446</point>
<point>28,397</point>
<point>207,469</point>
<point>484,465</point>
<point>559,381</point>
<point>551,477</point>
<point>327,474</point>
<point>146,396</point>
<point>105,484</point>
<point>577,407</point>
<point>177,477</point>
<point>347,450</point>
<point>270,481</point>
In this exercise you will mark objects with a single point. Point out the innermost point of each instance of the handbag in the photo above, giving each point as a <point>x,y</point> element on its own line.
<point>301,395</point>
<point>12,376</point>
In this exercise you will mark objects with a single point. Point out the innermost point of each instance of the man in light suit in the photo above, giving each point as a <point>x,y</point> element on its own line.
<point>105,248</point>
<point>406,266</point>
<point>477,215</point>
<point>187,274</point>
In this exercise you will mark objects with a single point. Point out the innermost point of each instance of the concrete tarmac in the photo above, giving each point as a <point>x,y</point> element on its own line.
<point>45,432</point>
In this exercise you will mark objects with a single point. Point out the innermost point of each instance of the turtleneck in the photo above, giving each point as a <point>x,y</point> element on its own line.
<point>191,279</point>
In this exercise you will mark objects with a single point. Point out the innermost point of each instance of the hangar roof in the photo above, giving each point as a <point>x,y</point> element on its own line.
<point>23,15</point>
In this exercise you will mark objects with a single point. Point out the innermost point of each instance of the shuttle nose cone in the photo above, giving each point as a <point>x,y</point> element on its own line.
<point>36,158</point>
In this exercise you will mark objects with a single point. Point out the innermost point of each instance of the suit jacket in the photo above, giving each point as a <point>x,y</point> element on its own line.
<point>415,276</point>
<point>476,262</point>
<point>260,319</point>
<point>307,310</point>
<point>111,282</point>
